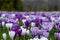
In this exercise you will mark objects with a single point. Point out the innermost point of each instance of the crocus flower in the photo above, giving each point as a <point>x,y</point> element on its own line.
<point>19,32</point>
<point>35,38</point>
<point>28,32</point>
<point>34,30</point>
<point>43,33</point>
<point>30,39</point>
<point>47,25</point>
<point>4,36</point>
<point>3,23</point>
<point>9,25</point>
<point>58,25</point>
<point>33,24</point>
<point>43,38</point>
<point>23,32</point>
<point>3,15</point>
<point>18,16</point>
<point>11,34</point>
<point>27,23</point>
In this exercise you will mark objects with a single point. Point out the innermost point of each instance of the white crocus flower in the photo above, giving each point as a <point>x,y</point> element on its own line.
<point>4,36</point>
<point>3,23</point>
<point>35,38</point>
<point>9,25</point>
<point>58,18</point>
<point>27,17</point>
<point>24,20</point>
<point>3,15</point>
<point>33,24</point>
<point>30,39</point>
<point>43,38</point>
<point>22,27</point>
<point>52,18</point>
<point>12,34</point>
<point>27,32</point>
<point>23,32</point>
<point>13,15</point>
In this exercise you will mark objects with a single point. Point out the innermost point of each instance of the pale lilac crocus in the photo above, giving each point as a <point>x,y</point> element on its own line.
<point>34,30</point>
<point>47,25</point>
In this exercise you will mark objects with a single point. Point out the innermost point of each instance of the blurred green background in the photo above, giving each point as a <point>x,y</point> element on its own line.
<point>19,5</point>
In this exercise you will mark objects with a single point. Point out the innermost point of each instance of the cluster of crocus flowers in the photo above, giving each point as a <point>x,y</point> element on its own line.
<point>35,24</point>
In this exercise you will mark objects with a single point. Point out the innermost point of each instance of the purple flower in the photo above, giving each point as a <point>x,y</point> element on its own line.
<point>57,35</point>
<point>43,33</point>
<point>58,25</point>
<point>19,32</point>
<point>14,29</point>
<point>18,16</point>
<point>47,25</point>
<point>27,23</point>
<point>34,30</point>
<point>37,21</point>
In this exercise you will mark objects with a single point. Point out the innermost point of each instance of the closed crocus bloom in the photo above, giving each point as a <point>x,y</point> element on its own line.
<point>43,38</point>
<point>9,25</point>
<point>56,35</point>
<point>33,24</point>
<point>19,32</point>
<point>12,34</point>
<point>58,25</point>
<point>27,32</point>
<point>37,22</point>
<point>34,30</point>
<point>23,32</point>
<point>27,23</point>
<point>3,23</point>
<point>4,36</point>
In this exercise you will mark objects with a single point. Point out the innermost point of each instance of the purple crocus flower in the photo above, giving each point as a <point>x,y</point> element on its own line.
<point>37,21</point>
<point>27,23</point>
<point>19,16</point>
<point>43,33</point>
<point>47,25</point>
<point>34,30</point>
<point>58,25</point>
<point>57,35</point>
<point>19,32</point>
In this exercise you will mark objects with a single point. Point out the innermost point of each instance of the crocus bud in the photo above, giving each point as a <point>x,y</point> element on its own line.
<point>9,25</point>
<point>4,36</point>
<point>43,38</point>
<point>12,34</point>
<point>33,24</point>
<point>3,23</point>
<point>27,32</point>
